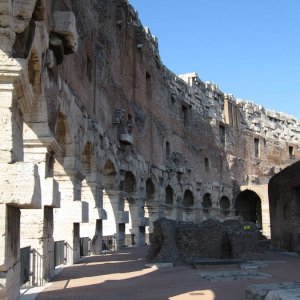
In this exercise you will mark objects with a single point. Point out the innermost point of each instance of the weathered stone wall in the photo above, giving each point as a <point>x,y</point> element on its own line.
<point>96,129</point>
<point>186,242</point>
<point>284,195</point>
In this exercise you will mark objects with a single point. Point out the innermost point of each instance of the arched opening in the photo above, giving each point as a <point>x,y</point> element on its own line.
<point>70,190</point>
<point>63,137</point>
<point>90,193</point>
<point>170,210</point>
<point>89,170</point>
<point>224,206</point>
<point>169,195</point>
<point>129,183</point>
<point>131,206</point>
<point>109,176</point>
<point>248,206</point>
<point>65,159</point>
<point>151,209</point>
<point>110,205</point>
<point>150,189</point>
<point>206,204</point>
<point>188,203</point>
<point>188,199</point>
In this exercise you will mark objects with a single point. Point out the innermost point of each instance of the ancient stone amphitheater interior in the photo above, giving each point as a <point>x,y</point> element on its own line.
<point>100,139</point>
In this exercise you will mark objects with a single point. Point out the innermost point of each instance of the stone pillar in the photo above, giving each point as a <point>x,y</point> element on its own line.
<point>153,211</point>
<point>113,204</point>
<point>179,215</point>
<point>96,241</point>
<point>135,214</point>
<point>92,229</point>
<point>11,142</point>
<point>69,213</point>
<point>9,252</point>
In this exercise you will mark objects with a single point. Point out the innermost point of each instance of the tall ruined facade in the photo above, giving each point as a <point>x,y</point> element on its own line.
<point>99,139</point>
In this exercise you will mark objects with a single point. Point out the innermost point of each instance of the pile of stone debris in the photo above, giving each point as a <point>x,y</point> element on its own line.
<point>180,242</point>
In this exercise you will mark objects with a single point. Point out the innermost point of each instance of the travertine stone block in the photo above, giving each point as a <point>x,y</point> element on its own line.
<point>64,25</point>
<point>22,11</point>
<point>20,185</point>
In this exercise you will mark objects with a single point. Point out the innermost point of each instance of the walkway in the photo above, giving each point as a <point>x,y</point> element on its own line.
<point>122,275</point>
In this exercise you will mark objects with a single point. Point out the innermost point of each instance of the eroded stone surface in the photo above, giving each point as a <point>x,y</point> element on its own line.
<point>233,275</point>
<point>262,291</point>
<point>115,140</point>
<point>179,242</point>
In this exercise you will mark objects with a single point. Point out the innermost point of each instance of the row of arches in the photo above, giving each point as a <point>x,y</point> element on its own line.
<point>118,193</point>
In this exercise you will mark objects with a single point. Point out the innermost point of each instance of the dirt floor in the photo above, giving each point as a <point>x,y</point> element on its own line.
<point>122,275</point>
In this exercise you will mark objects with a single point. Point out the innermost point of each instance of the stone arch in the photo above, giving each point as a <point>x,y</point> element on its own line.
<point>69,180</point>
<point>248,206</point>
<point>111,200</point>
<point>88,161</point>
<point>109,175</point>
<point>63,137</point>
<point>90,193</point>
<point>151,208</point>
<point>150,188</point>
<point>188,204</point>
<point>170,208</point>
<point>131,207</point>
<point>129,183</point>
<point>206,203</point>
<point>169,199</point>
<point>188,199</point>
<point>89,170</point>
<point>224,206</point>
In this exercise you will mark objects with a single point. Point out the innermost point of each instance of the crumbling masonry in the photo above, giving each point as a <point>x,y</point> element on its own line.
<point>99,139</point>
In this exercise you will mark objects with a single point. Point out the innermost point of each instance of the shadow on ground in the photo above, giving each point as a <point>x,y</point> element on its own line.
<point>122,275</point>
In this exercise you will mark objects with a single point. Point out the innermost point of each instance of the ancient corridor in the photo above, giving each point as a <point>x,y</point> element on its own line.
<point>100,138</point>
<point>122,275</point>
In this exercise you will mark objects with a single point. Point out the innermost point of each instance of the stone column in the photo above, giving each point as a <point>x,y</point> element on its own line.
<point>113,204</point>
<point>136,216</point>
<point>69,213</point>
<point>153,210</point>
<point>92,229</point>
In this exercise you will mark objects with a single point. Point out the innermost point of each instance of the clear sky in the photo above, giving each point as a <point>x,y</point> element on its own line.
<point>249,48</point>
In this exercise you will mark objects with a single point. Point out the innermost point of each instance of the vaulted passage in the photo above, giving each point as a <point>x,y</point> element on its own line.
<point>248,206</point>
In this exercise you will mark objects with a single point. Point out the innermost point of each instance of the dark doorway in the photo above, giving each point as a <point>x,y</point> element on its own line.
<point>224,206</point>
<point>248,206</point>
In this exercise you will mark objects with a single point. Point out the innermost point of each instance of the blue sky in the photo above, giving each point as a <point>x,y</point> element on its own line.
<point>250,48</point>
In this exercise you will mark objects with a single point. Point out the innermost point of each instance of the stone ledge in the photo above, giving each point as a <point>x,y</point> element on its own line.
<point>273,291</point>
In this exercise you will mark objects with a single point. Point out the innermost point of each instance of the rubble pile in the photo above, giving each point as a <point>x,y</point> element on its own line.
<point>186,242</point>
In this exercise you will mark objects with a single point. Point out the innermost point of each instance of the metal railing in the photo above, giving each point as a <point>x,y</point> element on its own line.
<point>108,243</point>
<point>37,273</point>
<point>59,253</point>
<point>32,267</point>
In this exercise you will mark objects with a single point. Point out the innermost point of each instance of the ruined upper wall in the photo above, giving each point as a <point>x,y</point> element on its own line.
<point>116,80</point>
<point>208,100</point>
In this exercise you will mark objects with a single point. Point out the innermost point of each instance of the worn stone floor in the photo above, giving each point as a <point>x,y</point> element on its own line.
<point>122,275</point>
